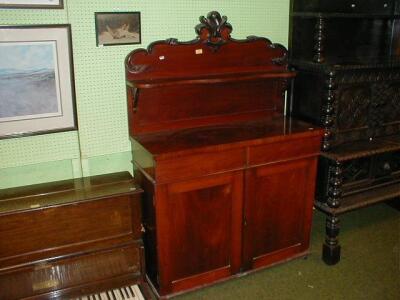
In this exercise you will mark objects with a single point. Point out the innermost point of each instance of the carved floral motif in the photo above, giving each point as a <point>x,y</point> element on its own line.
<point>214,30</point>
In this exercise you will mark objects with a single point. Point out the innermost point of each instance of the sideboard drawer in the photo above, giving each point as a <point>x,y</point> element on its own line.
<point>283,150</point>
<point>199,164</point>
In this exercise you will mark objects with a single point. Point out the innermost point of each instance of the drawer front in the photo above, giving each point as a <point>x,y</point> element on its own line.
<point>284,150</point>
<point>190,166</point>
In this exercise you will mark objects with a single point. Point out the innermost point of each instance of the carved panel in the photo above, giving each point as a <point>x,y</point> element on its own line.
<point>353,107</point>
<point>367,105</point>
<point>391,109</point>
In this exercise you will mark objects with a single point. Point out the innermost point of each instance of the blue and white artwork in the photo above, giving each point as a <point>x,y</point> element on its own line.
<point>29,84</point>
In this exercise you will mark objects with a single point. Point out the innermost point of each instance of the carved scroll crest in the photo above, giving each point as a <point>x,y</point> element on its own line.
<point>214,30</point>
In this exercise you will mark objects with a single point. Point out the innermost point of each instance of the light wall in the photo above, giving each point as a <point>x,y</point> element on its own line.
<point>101,145</point>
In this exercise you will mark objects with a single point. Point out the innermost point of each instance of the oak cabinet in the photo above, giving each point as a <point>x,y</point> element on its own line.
<point>347,57</point>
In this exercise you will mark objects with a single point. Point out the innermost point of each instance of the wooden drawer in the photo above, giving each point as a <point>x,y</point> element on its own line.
<point>283,150</point>
<point>200,164</point>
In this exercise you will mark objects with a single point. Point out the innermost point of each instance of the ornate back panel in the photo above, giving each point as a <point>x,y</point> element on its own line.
<point>212,79</point>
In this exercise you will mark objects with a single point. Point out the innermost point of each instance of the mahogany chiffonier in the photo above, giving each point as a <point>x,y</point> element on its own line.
<point>228,179</point>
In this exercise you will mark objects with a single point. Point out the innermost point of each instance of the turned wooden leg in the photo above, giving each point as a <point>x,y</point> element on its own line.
<point>331,247</point>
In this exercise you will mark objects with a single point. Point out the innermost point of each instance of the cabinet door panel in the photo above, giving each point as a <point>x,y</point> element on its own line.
<point>199,232</point>
<point>278,210</point>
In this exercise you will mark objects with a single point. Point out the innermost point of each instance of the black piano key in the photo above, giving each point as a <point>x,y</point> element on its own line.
<point>131,292</point>
<point>124,292</point>
<point>114,295</point>
<point>122,295</point>
<point>110,295</point>
<point>128,292</point>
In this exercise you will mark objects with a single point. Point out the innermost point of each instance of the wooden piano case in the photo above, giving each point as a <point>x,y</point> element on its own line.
<point>228,179</point>
<point>70,238</point>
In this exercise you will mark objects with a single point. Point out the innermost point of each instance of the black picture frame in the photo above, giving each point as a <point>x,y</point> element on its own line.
<point>118,28</point>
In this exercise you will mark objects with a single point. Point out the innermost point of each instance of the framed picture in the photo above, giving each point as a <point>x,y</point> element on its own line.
<point>117,28</point>
<point>37,92</point>
<point>31,3</point>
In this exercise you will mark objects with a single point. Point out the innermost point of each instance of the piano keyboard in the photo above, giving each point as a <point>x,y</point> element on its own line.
<point>124,293</point>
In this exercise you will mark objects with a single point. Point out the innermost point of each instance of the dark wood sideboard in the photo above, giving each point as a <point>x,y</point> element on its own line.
<point>347,55</point>
<point>228,179</point>
<point>70,238</point>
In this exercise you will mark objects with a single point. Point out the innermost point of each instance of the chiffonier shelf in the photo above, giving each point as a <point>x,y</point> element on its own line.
<point>347,55</point>
<point>228,179</point>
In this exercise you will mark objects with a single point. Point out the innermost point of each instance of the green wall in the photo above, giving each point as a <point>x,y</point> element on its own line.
<point>101,145</point>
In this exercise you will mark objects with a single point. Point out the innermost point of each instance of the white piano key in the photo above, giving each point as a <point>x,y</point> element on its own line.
<point>138,292</point>
<point>124,295</point>
<point>103,296</point>
<point>128,295</point>
<point>110,295</point>
<point>133,293</point>
<point>117,295</point>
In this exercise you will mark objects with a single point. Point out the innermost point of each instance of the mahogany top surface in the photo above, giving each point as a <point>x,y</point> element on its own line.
<point>274,128</point>
<point>63,192</point>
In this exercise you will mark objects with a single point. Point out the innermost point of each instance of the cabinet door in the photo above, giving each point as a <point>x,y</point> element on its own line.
<point>199,225</point>
<point>278,211</point>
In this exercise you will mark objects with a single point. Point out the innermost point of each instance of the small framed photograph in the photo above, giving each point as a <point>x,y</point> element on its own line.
<point>117,28</point>
<point>31,3</point>
<point>37,92</point>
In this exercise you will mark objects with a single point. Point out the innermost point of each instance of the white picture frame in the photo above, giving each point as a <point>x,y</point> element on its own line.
<point>37,92</point>
<point>31,4</point>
